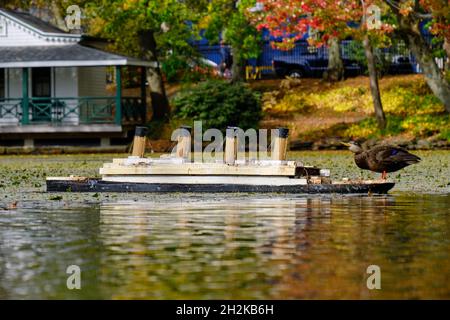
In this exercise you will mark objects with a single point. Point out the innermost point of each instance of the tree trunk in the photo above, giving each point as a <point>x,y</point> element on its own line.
<point>374,87</point>
<point>160,103</point>
<point>335,70</point>
<point>433,76</point>
<point>447,47</point>
<point>410,31</point>
<point>238,66</point>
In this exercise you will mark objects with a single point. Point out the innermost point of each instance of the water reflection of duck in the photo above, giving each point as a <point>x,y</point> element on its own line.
<point>382,158</point>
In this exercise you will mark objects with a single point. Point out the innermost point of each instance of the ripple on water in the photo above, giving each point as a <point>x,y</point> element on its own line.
<point>229,246</point>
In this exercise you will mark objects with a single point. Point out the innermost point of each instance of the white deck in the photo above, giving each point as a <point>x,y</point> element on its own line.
<point>233,180</point>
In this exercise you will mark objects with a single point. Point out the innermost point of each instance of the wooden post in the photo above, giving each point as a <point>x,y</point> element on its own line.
<point>279,145</point>
<point>140,137</point>
<point>25,97</point>
<point>184,143</point>
<point>118,116</point>
<point>230,145</point>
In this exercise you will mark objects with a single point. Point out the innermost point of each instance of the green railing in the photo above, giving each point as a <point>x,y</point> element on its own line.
<point>10,111</point>
<point>70,110</point>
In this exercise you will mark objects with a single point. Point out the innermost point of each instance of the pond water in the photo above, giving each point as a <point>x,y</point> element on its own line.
<point>223,246</point>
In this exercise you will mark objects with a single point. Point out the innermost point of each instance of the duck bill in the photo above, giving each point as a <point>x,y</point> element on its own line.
<point>345,144</point>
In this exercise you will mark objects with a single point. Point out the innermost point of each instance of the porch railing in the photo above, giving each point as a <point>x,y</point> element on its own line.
<point>71,110</point>
<point>10,111</point>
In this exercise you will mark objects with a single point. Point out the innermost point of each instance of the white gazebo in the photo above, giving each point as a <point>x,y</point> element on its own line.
<point>52,84</point>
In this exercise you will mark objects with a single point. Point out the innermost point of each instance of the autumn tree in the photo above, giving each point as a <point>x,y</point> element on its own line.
<point>228,18</point>
<point>330,20</point>
<point>149,29</point>
<point>439,13</point>
<point>409,15</point>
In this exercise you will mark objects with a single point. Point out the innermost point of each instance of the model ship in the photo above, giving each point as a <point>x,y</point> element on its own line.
<point>178,172</point>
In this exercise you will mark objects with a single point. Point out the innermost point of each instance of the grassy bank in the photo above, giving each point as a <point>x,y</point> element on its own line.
<point>316,110</point>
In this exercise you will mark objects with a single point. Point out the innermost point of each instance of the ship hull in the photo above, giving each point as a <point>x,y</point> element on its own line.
<point>98,185</point>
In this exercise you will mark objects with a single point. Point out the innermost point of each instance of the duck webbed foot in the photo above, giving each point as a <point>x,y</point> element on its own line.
<point>384,175</point>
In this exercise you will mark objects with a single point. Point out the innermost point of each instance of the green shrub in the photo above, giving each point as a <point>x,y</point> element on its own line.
<point>219,104</point>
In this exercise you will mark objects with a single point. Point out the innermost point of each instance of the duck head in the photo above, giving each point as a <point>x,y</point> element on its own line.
<point>353,146</point>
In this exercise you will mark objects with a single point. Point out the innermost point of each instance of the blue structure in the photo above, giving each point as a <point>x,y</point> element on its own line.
<point>303,52</point>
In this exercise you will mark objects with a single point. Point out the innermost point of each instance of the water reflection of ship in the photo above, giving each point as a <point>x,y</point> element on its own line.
<point>278,236</point>
<point>193,235</point>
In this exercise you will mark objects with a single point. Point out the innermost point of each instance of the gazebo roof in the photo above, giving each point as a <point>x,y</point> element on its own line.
<point>53,47</point>
<point>70,55</point>
<point>38,25</point>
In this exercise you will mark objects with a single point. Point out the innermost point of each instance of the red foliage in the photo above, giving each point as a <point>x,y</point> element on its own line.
<point>440,10</point>
<point>292,19</point>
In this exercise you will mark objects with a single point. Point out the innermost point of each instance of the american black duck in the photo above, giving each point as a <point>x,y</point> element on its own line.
<point>381,158</point>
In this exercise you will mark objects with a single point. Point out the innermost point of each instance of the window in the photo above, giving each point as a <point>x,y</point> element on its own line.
<point>41,88</point>
<point>3,28</point>
<point>41,82</point>
<point>2,83</point>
